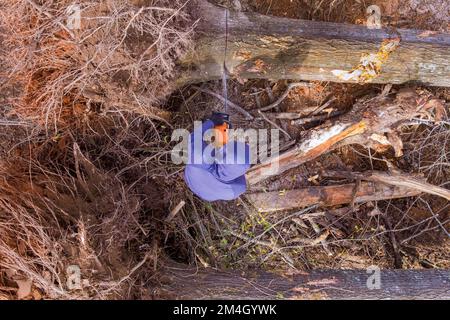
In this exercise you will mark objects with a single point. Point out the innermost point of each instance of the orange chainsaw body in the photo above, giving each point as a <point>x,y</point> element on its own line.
<point>221,135</point>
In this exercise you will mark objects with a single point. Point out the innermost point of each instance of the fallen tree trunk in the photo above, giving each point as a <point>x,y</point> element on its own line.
<point>394,179</point>
<point>192,283</point>
<point>327,196</point>
<point>279,48</point>
<point>366,124</point>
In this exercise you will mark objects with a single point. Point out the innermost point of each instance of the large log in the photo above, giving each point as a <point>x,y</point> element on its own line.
<point>279,48</point>
<point>192,283</point>
<point>327,196</point>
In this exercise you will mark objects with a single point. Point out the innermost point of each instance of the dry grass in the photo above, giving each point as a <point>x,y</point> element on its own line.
<point>51,220</point>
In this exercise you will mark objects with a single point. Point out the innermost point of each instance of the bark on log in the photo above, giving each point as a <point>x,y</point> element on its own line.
<point>191,283</point>
<point>368,120</point>
<point>395,179</point>
<point>279,48</point>
<point>327,196</point>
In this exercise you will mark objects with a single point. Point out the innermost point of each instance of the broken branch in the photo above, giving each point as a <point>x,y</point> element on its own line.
<point>279,48</point>
<point>328,196</point>
<point>370,116</point>
<point>395,179</point>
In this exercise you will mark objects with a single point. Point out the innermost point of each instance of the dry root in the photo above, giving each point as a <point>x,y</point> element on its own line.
<point>121,58</point>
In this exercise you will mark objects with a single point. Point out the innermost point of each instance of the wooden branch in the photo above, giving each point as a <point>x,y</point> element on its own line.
<point>368,117</point>
<point>285,94</point>
<point>175,210</point>
<point>323,107</point>
<point>291,115</point>
<point>48,15</point>
<point>395,179</point>
<point>327,196</point>
<point>182,282</point>
<point>232,105</point>
<point>316,143</point>
<point>279,48</point>
<point>322,237</point>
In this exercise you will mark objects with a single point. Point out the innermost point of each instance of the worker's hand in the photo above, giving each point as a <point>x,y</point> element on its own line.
<point>220,119</point>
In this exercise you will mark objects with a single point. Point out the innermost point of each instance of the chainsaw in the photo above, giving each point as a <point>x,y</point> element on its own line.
<point>221,120</point>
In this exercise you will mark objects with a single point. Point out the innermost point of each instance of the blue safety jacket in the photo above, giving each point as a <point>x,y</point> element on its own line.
<point>216,174</point>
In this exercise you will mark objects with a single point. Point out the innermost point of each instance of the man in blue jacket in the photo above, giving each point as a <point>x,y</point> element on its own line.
<point>216,173</point>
